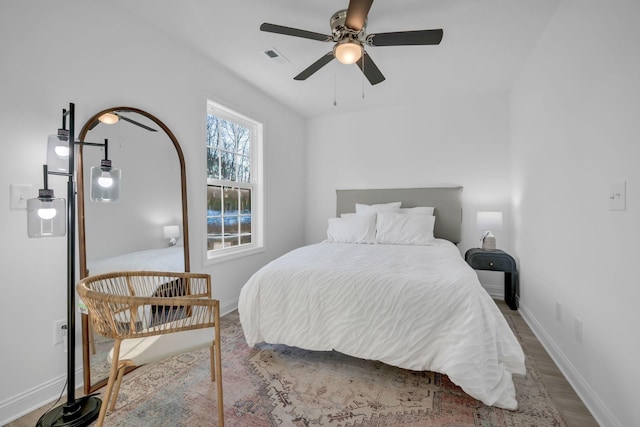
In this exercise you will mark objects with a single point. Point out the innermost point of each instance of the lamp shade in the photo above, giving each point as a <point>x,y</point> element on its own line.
<point>347,52</point>
<point>489,221</point>
<point>105,184</point>
<point>171,231</point>
<point>46,216</point>
<point>58,153</point>
<point>109,118</point>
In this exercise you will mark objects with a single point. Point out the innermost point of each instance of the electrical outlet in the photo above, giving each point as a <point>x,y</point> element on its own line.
<point>59,331</point>
<point>578,329</point>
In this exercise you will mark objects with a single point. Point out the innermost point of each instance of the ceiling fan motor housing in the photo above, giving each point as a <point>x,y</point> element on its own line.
<point>340,31</point>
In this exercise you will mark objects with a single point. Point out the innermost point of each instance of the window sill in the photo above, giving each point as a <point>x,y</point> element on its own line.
<point>215,257</point>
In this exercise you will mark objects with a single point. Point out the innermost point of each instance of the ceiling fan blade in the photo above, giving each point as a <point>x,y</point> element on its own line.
<point>288,31</point>
<point>405,38</point>
<point>94,124</point>
<point>136,123</point>
<point>357,14</point>
<point>328,57</point>
<point>370,70</point>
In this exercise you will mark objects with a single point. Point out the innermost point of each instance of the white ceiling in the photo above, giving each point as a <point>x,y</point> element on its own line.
<point>485,44</point>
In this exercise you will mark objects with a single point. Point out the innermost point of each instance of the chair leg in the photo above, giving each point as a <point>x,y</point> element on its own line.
<point>218,369</point>
<point>212,362</point>
<point>92,339</point>
<point>112,379</point>
<point>116,389</point>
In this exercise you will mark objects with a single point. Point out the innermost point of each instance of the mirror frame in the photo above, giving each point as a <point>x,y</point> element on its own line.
<point>88,386</point>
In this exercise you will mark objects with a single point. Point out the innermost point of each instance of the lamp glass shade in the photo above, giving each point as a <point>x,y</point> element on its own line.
<point>171,231</point>
<point>489,221</point>
<point>109,118</point>
<point>105,184</point>
<point>46,217</point>
<point>348,52</point>
<point>58,154</point>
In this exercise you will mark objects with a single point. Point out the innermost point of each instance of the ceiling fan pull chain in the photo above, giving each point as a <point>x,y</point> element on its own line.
<point>335,102</point>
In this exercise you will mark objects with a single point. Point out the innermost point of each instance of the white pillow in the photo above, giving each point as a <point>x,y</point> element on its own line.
<point>352,229</point>
<point>420,210</point>
<point>372,209</point>
<point>400,229</point>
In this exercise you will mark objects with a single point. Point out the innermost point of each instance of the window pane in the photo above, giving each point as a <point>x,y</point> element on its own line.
<point>214,242</point>
<point>226,169</point>
<point>213,164</point>
<point>231,226</point>
<point>245,229</point>
<point>214,200</point>
<point>230,201</point>
<point>244,169</point>
<point>245,201</point>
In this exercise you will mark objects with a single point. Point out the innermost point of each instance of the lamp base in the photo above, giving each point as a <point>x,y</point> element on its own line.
<point>81,412</point>
<point>489,242</point>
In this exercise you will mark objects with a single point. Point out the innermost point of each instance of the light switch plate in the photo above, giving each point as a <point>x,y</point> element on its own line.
<point>618,196</point>
<point>19,195</point>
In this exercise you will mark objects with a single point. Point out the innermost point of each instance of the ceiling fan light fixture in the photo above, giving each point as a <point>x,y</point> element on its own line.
<point>347,51</point>
<point>109,118</point>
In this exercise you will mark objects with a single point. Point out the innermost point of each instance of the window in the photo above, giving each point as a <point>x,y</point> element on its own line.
<point>234,187</point>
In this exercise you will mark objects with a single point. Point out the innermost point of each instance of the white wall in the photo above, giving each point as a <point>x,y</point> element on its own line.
<point>94,55</point>
<point>461,141</point>
<point>575,131</point>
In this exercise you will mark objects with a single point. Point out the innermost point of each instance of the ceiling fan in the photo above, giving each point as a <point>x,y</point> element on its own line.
<point>348,32</point>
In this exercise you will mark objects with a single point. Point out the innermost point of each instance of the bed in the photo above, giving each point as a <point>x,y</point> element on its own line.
<point>416,305</point>
<point>163,259</point>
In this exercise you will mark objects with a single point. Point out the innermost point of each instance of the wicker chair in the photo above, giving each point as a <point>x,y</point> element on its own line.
<point>150,316</point>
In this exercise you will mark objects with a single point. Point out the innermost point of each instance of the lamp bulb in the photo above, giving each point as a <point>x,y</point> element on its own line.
<point>109,118</point>
<point>105,180</point>
<point>62,151</point>
<point>47,213</point>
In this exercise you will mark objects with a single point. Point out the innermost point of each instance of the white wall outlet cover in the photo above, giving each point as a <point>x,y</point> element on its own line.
<point>19,194</point>
<point>618,196</point>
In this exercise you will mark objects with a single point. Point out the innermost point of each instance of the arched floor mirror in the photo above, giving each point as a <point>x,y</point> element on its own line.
<point>147,228</point>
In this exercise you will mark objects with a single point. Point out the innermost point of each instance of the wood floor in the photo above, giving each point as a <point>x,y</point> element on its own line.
<point>572,408</point>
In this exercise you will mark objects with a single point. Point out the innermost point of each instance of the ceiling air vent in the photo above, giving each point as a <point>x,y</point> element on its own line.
<point>273,54</point>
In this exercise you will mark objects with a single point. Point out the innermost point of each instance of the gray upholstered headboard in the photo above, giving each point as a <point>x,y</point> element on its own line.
<point>446,200</point>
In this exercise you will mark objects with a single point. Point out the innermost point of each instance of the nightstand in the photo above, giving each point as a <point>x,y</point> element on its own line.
<point>497,260</point>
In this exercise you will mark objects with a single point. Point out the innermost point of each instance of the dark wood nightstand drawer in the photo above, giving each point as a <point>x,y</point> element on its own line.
<point>492,263</point>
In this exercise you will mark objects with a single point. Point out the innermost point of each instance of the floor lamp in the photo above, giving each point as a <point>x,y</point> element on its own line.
<point>45,218</point>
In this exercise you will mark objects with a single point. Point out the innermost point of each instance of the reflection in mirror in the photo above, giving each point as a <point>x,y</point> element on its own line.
<point>138,231</point>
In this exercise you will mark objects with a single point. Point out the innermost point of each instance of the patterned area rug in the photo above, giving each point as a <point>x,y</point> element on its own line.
<point>275,385</point>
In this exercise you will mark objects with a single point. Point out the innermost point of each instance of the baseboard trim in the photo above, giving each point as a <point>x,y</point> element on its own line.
<point>228,307</point>
<point>495,291</point>
<point>28,401</point>
<point>598,409</point>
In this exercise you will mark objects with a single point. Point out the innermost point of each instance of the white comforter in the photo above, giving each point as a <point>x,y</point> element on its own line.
<point>415,307</point>
<point>162,259</point>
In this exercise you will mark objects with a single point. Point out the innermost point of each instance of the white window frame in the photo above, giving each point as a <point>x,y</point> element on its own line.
<point>256,186</point>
